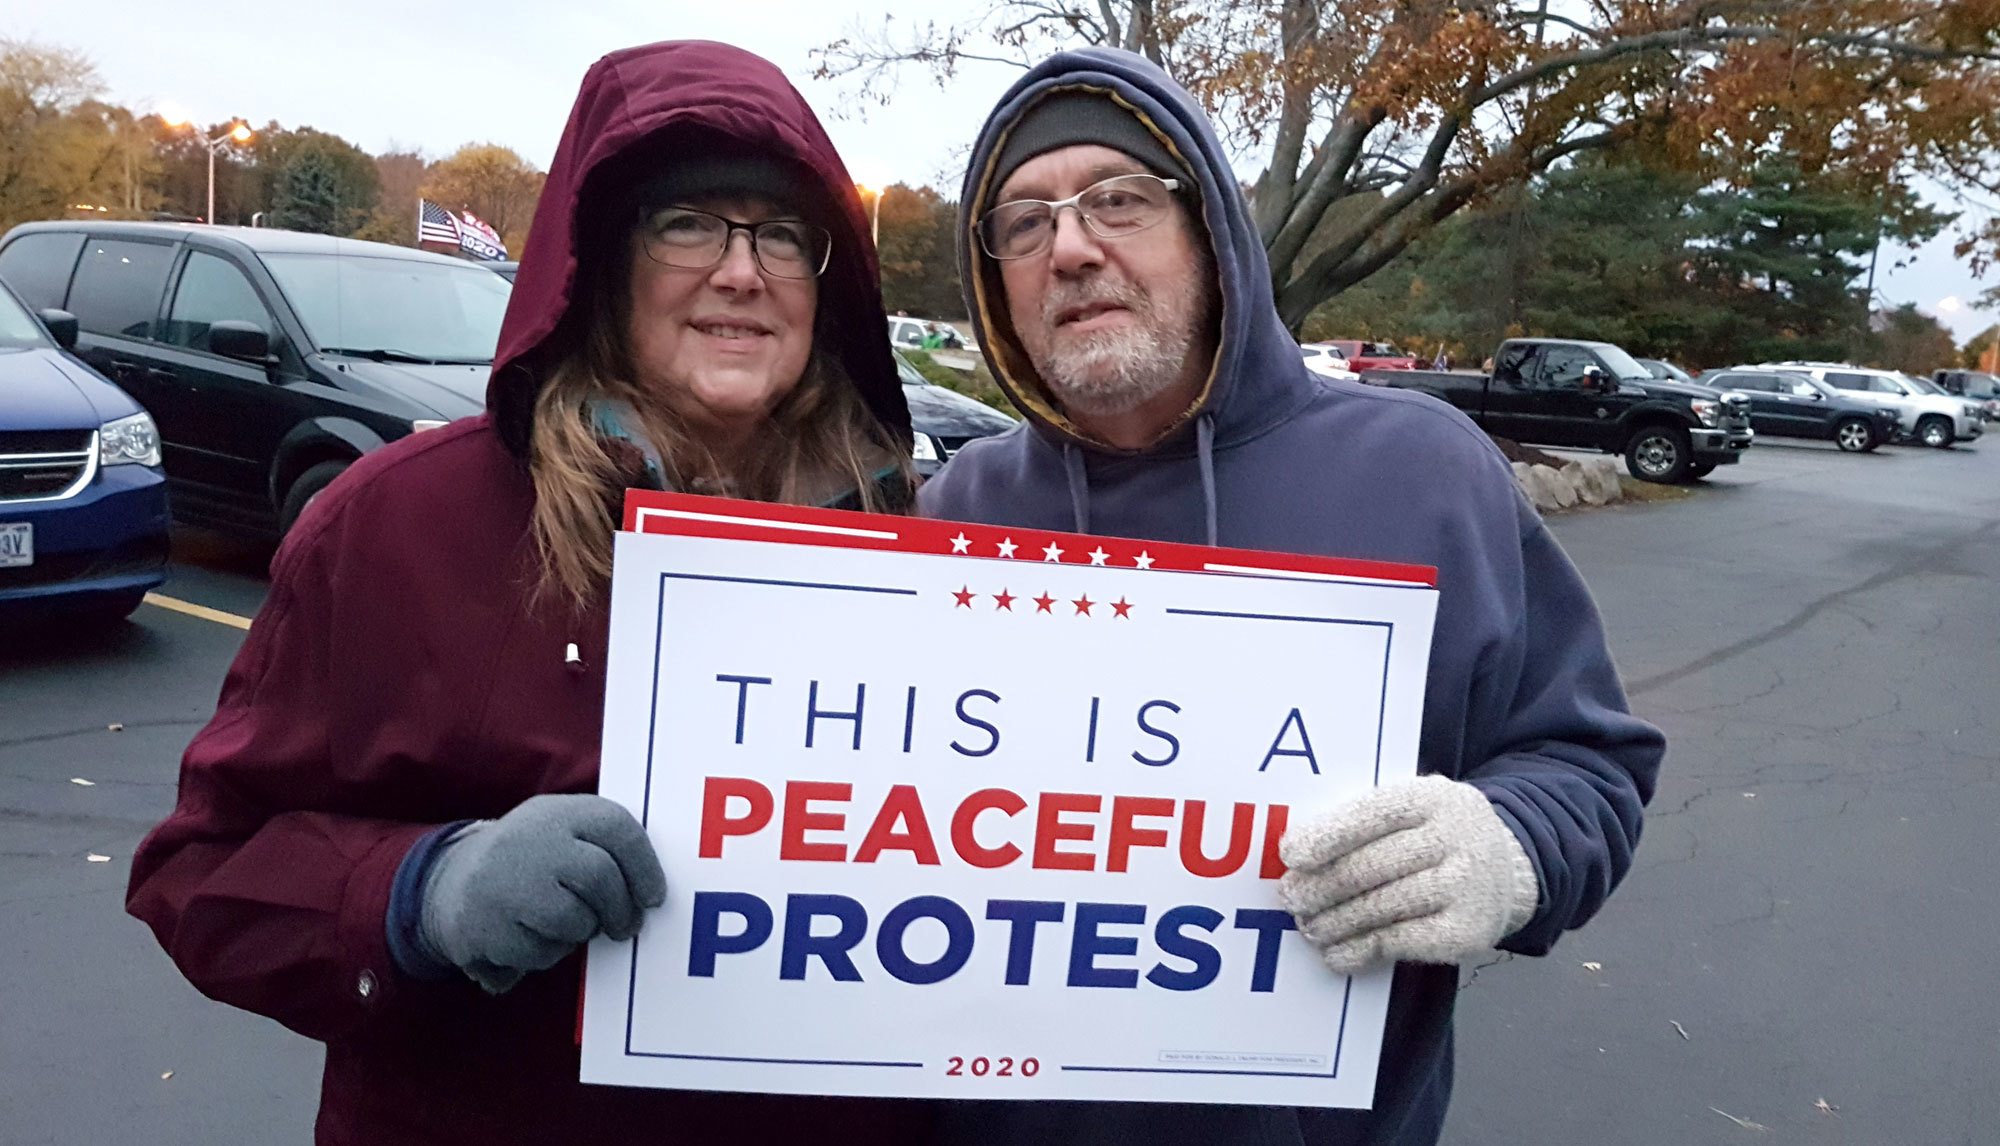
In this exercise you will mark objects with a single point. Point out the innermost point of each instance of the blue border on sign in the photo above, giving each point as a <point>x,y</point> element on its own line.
<point>659,643</point>
<point>646,810</point>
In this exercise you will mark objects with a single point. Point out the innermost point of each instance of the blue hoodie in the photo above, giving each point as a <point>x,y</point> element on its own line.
<point>1522,699</point>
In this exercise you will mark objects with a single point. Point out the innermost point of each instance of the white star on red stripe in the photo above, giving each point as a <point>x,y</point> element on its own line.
<point>1144,560</point>
<point>1006,547</point>
<point>961,544</point>
<point>1052,553</point>
<point>1098,555</point>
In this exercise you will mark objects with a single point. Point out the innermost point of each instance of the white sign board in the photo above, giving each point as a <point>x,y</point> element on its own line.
<point>956,824</point>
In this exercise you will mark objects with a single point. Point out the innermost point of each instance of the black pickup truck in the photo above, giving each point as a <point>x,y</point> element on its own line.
<point>1562,392</point>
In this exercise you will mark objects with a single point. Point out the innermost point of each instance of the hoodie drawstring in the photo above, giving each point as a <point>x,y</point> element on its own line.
<point>1079,487</point>
<point>1079,480</point>
<point>1204,448</point>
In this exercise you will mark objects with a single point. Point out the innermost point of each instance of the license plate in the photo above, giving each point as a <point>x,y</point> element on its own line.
<point>17,544</point>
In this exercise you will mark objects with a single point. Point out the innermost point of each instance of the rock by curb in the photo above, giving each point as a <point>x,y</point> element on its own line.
<point>1586,481</point>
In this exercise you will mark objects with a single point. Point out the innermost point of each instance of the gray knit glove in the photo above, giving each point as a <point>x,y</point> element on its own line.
<point>1423,872</point>
<point>516,894</point>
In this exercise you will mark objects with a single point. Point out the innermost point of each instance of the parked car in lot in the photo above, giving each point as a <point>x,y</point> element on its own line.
<point>1326,360</point>
<point>1788,405</point>
<point>1668,372</point>
<point>269,359</point>
<point>83,502</point>
<point>942,420</point>
<point>1923,411</point>
<point>1974,386</point>
<point>1561,392</point>
<point>1362,355</point>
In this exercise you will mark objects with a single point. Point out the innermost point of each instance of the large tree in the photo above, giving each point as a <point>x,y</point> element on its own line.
<point>494,183</point>
<point>57,142</point>
<point>1379,119</point>
<point>919,261</point>
<point>317,181</point>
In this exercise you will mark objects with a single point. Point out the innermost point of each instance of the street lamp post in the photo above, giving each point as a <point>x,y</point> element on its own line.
<point>240,134</point>
<point>874,212</point>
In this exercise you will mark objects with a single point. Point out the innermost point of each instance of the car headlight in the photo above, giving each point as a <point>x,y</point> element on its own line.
<point>129,441</point>
<point>1972,411</point>
<point>1709,412</point>
<point>922,448</point>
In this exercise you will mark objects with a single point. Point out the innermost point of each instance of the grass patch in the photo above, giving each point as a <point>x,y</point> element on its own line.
<point>1636,490</point>
<point>979,384</point>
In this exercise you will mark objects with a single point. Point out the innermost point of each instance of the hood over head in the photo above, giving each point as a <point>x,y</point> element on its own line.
<point>677,118</point>
<point>1258,377</point>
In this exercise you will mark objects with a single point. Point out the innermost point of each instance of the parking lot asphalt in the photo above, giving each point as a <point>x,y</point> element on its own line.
<point>1810,919</point>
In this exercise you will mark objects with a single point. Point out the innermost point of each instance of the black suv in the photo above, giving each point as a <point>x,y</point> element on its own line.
<point>1785,405</point>
<point>269,359</point>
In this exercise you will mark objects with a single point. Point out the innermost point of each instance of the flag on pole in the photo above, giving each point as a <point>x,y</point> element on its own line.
<point>435,224</point>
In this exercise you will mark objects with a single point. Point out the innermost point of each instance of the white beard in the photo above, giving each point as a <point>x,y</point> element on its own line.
<point>1116,371</point>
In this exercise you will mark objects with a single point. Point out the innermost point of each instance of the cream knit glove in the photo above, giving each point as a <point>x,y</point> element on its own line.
<point>1423,872</point>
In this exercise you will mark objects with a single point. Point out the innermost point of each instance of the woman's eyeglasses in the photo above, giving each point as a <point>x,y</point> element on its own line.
<point>696,240</point>
<point>1112,209</point>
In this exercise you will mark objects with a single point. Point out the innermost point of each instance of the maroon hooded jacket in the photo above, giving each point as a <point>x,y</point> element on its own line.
<point>402,675</point>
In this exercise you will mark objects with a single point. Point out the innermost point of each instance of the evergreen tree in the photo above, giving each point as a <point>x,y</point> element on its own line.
<point>307,197</point>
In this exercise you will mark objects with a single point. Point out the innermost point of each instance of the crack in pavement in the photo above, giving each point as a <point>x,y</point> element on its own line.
<point>1922,562</point>
<point>127,726</point>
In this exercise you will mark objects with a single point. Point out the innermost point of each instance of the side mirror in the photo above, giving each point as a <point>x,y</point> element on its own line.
<point>1593,378</point>
<point>233,338</point>
<point>61,324</point>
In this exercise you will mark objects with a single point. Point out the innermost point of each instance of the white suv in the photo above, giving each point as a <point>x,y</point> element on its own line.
<point>1923,410</point>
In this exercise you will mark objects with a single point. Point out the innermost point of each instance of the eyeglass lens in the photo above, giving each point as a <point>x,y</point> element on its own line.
<point>696,240</point>
<point>1116,207</point>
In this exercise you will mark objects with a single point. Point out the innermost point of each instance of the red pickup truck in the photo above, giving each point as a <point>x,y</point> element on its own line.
<point>1372,355</point>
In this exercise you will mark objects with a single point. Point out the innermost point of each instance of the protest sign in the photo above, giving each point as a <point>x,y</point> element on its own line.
<point>959,811</point>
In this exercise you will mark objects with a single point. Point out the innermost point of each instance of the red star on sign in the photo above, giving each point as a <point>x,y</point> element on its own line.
<point>1123,608</point>
<point>1044,602</point>
<point>965,597</point>
<point>1003,600</point>
<point>1083,605</point>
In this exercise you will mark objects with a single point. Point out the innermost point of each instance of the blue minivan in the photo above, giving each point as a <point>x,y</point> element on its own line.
<point>83,500</point>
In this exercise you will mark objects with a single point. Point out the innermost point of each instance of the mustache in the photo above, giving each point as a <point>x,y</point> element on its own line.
<point>1075,293</point>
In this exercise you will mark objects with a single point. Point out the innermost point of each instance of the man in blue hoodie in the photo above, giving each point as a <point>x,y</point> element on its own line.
<point>1122,298</point>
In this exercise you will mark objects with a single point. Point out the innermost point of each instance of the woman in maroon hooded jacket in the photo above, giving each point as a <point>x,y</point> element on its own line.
<point>384,839</point>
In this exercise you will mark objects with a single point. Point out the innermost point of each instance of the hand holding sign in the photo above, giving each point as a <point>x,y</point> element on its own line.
<point>951,811</point>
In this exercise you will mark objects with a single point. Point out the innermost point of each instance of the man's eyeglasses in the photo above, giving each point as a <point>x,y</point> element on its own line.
<point>696,240</point>
<point>1112,209</point>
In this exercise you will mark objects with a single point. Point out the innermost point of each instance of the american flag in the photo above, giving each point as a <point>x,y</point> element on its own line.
<point>437,225</point>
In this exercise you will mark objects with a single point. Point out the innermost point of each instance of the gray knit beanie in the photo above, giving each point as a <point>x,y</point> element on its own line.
<point>1069,118</point>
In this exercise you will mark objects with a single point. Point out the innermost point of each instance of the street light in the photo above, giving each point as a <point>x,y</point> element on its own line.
<point>240,134</point>
<point>874,212</point>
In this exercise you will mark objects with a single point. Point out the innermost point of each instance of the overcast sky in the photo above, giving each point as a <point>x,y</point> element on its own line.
<point>432,77</point>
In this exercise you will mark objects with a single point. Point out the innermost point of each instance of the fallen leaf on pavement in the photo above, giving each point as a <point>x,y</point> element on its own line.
<point>1593,966</point>
<point>93,857</point>
<point>1749,795</point>
<point>1680,1030</point>
<point>83,782</point>
<point>1825,1107</point>
<point>1745,1123</point>
<point>166,1076</point>
<point>115,727</point>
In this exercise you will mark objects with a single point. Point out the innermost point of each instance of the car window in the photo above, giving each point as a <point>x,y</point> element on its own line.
<point>37,266</point>
<point>440,311</point>
<point>1563,367</point>
<point>211,290</point>
<point>118,286</point>
<point>18,328</point>
<point>1847,381</point>
<point>1805,388</point>
<point>1513,362</point>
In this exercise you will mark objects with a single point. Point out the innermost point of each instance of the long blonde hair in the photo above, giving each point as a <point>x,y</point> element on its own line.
<point>820,442</point>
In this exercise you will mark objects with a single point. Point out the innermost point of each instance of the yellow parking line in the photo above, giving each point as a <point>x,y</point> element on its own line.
<point>202,611</point>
